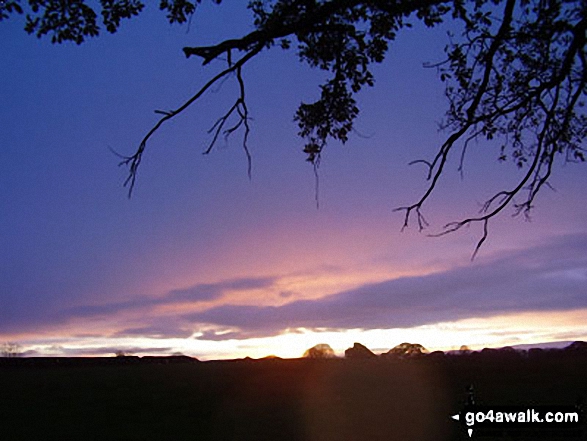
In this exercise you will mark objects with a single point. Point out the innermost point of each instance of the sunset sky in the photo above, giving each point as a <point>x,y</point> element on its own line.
<point>205,262</point>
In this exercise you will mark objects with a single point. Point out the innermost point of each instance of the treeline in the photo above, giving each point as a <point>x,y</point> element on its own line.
<point>415,350</point>
<point>403,351</point>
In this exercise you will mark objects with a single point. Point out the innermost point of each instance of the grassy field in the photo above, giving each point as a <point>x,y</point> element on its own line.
<point>301,399</point>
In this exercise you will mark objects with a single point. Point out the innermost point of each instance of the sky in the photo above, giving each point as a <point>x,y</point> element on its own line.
<point>206,262</point>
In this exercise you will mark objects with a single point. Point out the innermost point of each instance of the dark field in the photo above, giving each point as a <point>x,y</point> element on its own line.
<point>338,399</point>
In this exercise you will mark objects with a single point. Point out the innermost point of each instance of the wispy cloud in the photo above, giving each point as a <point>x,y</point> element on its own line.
<point>219,336</point>
<point>542,278</point>
<point>161,331</point>
<point>213,291</point>
<point>197,293</point>
<point>549,277</point>
<point>202,292</point>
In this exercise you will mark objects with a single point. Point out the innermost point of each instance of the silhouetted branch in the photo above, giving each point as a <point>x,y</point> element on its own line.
<point>501,101</point>
<point>134,160</point>
<point>507,196</point>
<point>305,20</point>
<point>240,108</point>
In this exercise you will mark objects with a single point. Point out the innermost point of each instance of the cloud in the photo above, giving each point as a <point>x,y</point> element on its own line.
<point>62,351</point>
<point>213,291</point>
<point>196,293</point>
<point>155,332</point>
<point>37,316</point>
<point>108,309</point>
<point>111,350</point>
<point>215,336</point>
<point>542,278</point>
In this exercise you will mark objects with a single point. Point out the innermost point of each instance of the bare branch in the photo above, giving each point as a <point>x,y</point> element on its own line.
<point>134,160</point>
<point>507,196</point>
<point>499,100</point>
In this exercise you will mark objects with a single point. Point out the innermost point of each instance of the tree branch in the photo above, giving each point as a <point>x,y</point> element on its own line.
<point>507,195</point>
<point>499,101</point>
<point>306,22</point>
<point>134,160</point>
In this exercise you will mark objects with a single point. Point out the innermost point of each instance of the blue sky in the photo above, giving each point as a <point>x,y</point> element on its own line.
<point>204,261</point>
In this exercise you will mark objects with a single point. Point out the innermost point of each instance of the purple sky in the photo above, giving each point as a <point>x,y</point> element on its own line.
<point>203,261</point>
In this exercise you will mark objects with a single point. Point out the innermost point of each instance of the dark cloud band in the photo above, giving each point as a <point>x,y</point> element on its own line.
<point>548,277</point>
